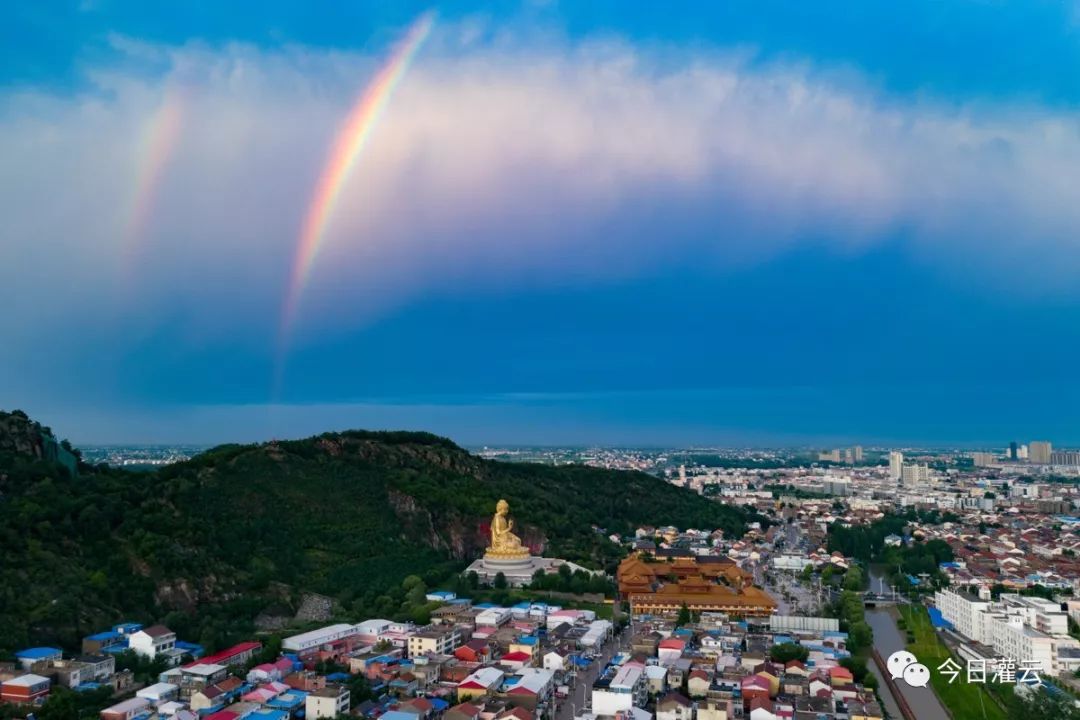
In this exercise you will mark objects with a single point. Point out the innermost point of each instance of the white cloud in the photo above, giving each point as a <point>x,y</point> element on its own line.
<point>494,166</point>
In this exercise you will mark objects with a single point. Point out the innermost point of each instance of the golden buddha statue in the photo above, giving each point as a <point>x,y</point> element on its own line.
<point>505,545</point>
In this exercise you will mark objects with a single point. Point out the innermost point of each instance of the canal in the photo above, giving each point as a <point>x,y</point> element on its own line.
<point>888,639</point>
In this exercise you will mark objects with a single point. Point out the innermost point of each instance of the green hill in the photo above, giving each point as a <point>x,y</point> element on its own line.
<point>210,543</point>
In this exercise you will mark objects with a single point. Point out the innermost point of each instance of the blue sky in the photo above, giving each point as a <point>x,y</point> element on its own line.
<point>575,222</point>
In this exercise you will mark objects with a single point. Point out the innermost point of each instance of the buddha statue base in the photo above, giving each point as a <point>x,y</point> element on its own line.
<point>521,553</point>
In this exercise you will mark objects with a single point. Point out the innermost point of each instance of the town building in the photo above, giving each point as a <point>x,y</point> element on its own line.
<point>1039,452</point>
<point>154,642</point>
<point>28,689</point>
<point>436,639</point>
<point>330,702</point>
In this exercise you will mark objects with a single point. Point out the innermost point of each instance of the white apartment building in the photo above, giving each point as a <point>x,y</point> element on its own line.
<point>1017,627</point>
<point>626,690</point>
<point>965,612</point>
<point>1011,638</point>
<point>330,702</point>
<point>1043,615</point>
<point>914,475</point>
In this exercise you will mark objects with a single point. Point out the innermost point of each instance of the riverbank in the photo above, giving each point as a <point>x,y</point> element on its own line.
<point>963,700</point>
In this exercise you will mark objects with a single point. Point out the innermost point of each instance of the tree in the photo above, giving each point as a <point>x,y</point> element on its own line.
<point>860,635</point>
<point>500,581</point>
<point>786,652</point>
<point>684,616</point>
<point>853,579</point>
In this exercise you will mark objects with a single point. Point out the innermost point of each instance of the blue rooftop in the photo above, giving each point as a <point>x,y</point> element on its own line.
<point>338,677</point>
<point>397,715</point>
<point>438,704</point>
<point>288,701</point>
<point>37,653</point>
<point>103,636</point>
<point>127,628</point>
<point>265,714</point>
<point>527,640</point>
<point>913,580</point>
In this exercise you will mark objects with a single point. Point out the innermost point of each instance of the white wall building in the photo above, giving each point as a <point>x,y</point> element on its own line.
<point>329,702</point>
<point>493,617</point>
<point>1016,627</point>
<point>153,641</point>
<point>317,638</point>
<point>965,612</point>
<point>627,689</point>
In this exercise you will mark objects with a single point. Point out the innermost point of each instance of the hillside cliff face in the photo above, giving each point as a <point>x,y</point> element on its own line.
<point>241,528</point>
<point>20,435</point>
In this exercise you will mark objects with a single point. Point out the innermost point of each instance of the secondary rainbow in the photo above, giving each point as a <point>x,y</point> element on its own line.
<point>349,143</point>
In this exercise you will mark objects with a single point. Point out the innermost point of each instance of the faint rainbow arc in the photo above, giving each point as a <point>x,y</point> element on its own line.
<point>348,144</point>
<point>158,146</point>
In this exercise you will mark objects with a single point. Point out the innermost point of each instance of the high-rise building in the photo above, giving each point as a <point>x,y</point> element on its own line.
<point>857,452</point>
<point>837,486</point>
<point>914,474</point>
<point>896,465</point>
<point>1014,451</point>
<point>983,459</point>
<point>1065,457</point>
<point>1039,451</point>
<point>829,456</point>
<point>1022,452</point>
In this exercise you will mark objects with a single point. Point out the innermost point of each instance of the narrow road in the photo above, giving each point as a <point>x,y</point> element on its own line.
<point>574,705</point>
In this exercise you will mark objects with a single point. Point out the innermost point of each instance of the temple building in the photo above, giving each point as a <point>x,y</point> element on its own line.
<point>702,584</point>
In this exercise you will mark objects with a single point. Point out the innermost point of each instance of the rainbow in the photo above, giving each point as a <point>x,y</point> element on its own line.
<point>349,143</point>
<point>157,147</point>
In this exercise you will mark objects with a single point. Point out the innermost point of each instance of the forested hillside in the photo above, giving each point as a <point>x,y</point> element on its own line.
<point>244,530</point>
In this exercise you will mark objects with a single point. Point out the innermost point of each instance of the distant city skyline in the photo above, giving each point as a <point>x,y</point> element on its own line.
<point>542,222</point>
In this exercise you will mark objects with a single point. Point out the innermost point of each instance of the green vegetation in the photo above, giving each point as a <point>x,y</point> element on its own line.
<point>867,543</point>
<point>852,615</point>
<point>786,652</point>
<point>209,544</point>
<point>65,704</point>
<point>966,701</point>
<point>567,582</point>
